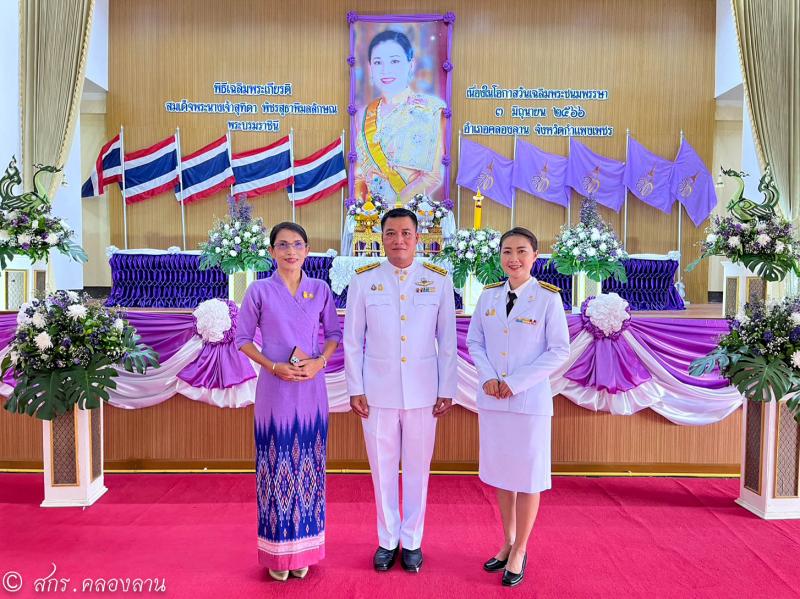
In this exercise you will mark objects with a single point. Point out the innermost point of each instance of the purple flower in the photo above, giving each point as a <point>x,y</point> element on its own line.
<point>352,156</point>
<point>448,204</point>
<point>446,160</point>
<point>735,325</point>
<point>350,202</point>
<point>447,66</point>
<point>768,336</point>
<point>447,113</point>
<point>66,343</point>
<point>351,60</point>
<point>351,109</point>
<point>237,247</point>
<point>449,18</point>
<point>352,17</point>
<point>794,336</point>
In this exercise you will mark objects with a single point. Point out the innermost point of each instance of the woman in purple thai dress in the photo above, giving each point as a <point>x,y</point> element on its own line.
<point>291,406</point>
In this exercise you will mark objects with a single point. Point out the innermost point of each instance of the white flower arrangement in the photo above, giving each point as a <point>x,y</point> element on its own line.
<point>213,320</point>
<point>232,249</point>
<point>608,312</point>
<point>473,251</point>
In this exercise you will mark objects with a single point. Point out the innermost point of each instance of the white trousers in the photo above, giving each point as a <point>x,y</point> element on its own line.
<point>391,435</point>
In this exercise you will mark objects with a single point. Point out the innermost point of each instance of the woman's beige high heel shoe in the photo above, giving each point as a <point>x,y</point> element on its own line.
<point>281,575</point>
<point>300,573</point>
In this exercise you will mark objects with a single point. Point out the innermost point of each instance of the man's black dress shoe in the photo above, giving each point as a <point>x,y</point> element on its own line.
<point>495,565</point>
<point>510,579</point>
<point>384,558</point>
<point>412,559</point>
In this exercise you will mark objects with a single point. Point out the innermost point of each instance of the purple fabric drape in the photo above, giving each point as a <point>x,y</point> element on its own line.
<point>163,331</point>
<point>610,365</point>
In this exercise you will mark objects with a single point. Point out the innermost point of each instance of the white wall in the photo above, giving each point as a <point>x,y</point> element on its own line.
<point>9,82</point>
<point>67,205</point>
<point>97,61</point>
<point>728,69</point>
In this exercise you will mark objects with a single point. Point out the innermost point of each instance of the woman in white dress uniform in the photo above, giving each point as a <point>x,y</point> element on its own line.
<point>517,337</point>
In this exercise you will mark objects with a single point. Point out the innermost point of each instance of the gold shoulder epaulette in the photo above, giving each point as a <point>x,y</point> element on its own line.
<point>435,268</point>
<point>493,285</point>
<point>367,267</point>
<point>549,287</point>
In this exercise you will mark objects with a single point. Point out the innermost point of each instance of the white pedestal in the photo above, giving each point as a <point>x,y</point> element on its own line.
<point>20,281</point>
<point>73,459</point>
<point>470,294</point>
<point>582,288</point>
<point>770,481</point>
<point>741,286</point>
<point>238,283</point>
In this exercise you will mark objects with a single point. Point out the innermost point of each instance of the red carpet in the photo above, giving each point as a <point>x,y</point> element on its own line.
<point>595,537</point>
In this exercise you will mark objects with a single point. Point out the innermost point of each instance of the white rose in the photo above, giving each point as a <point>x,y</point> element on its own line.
<point>734,242</point>
<point>603,247</point>
<point>43,341</point>
<point>4,236</point>
<point>779,247</point>
<point>469,255</point>
<point>227,228</point>
<point>480,235</point>
<point>494,243</point>
<point>576,251</point>
<point>119,324</point>
<point>795,316</point>
<point>11,214</point>
<point>217,250</point>
<point>485,249</point>
<point>39,321</point>
<point>438,214</point>
<point>23,238</point>
<point>237,225</point>
<point>761,226</point>
<point>262,253</point>
<point>763,240</point>
<point>581,234</point>
<point>595,235</point>
<point>463,233</point>
<point>51,239</point>
<point>225,242</point>
<point>77,311</point>
<point>237,239</point>
<point>232,253</point>
<point>711,238</point>
<point>247,235</point>
<point>591,251</point>
<point>462,245</point>
<point>254,228</point>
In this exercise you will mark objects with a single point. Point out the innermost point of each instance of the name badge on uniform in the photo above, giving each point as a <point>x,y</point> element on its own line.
<point>424,286</point>
<point>525,320</point>
<point>491,312</point>
<point>308,295</point>
<point>378,287</point>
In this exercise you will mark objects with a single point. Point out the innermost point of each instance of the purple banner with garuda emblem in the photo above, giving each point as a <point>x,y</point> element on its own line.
<point>596,176</point>
<point>540,174</point>
<point>480,168</point>
<point>692,184</point>
<point>648,176</point>
<point>400,113</point>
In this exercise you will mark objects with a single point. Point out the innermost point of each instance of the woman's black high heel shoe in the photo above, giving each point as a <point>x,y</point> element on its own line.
<point>495,565</point>
<point>510,579</point>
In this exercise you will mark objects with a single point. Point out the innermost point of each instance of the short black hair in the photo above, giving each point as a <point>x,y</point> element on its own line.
<point>273,234</point>
<point>399,213</point>
<point>391,36</point>
<point>522,232</point>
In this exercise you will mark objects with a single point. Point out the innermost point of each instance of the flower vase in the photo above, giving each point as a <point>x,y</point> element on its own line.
<point>582,288</point>
<point>470,293</point>
<point>238,283</point>
<point>770,480</point>
<point>73,459</point>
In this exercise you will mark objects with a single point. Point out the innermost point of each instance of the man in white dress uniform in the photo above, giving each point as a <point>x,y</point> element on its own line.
<point>400,365</point>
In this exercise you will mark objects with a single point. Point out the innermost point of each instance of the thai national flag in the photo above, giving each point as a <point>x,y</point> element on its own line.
<point>319,175</point>
<point>107,169</point>
<point>264,169</point>
<point>206,171</point>
<point>151,171</point>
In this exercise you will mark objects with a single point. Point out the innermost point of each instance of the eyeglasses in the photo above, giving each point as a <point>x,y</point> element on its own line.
<point>283,246</point>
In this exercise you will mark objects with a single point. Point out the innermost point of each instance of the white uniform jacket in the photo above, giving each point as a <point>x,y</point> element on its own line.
<point>523,349</point>
<point>400,336</point>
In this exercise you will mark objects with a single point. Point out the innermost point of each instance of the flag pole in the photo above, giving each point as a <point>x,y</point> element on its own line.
<point>230,155</point>
<point>569,198</point>
<point>458,188</point>
<point>680,224</point>
<point>124,199</point>
<point>341,205</point>
<point>625,217</point>
<point>291,161</point>
<point>514,189</point>
<point>180,186</point>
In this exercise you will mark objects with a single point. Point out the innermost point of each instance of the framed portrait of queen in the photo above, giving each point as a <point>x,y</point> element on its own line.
<point>400,106</point>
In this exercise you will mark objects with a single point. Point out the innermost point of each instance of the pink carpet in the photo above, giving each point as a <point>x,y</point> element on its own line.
<point>595,537</point>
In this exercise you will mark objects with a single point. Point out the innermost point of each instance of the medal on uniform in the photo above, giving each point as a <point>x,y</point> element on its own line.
<point>308,295</point>
<point>491,312</point>
<point>525,320</point>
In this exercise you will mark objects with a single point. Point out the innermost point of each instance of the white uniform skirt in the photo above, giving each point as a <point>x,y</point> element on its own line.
<point>515,451</point>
